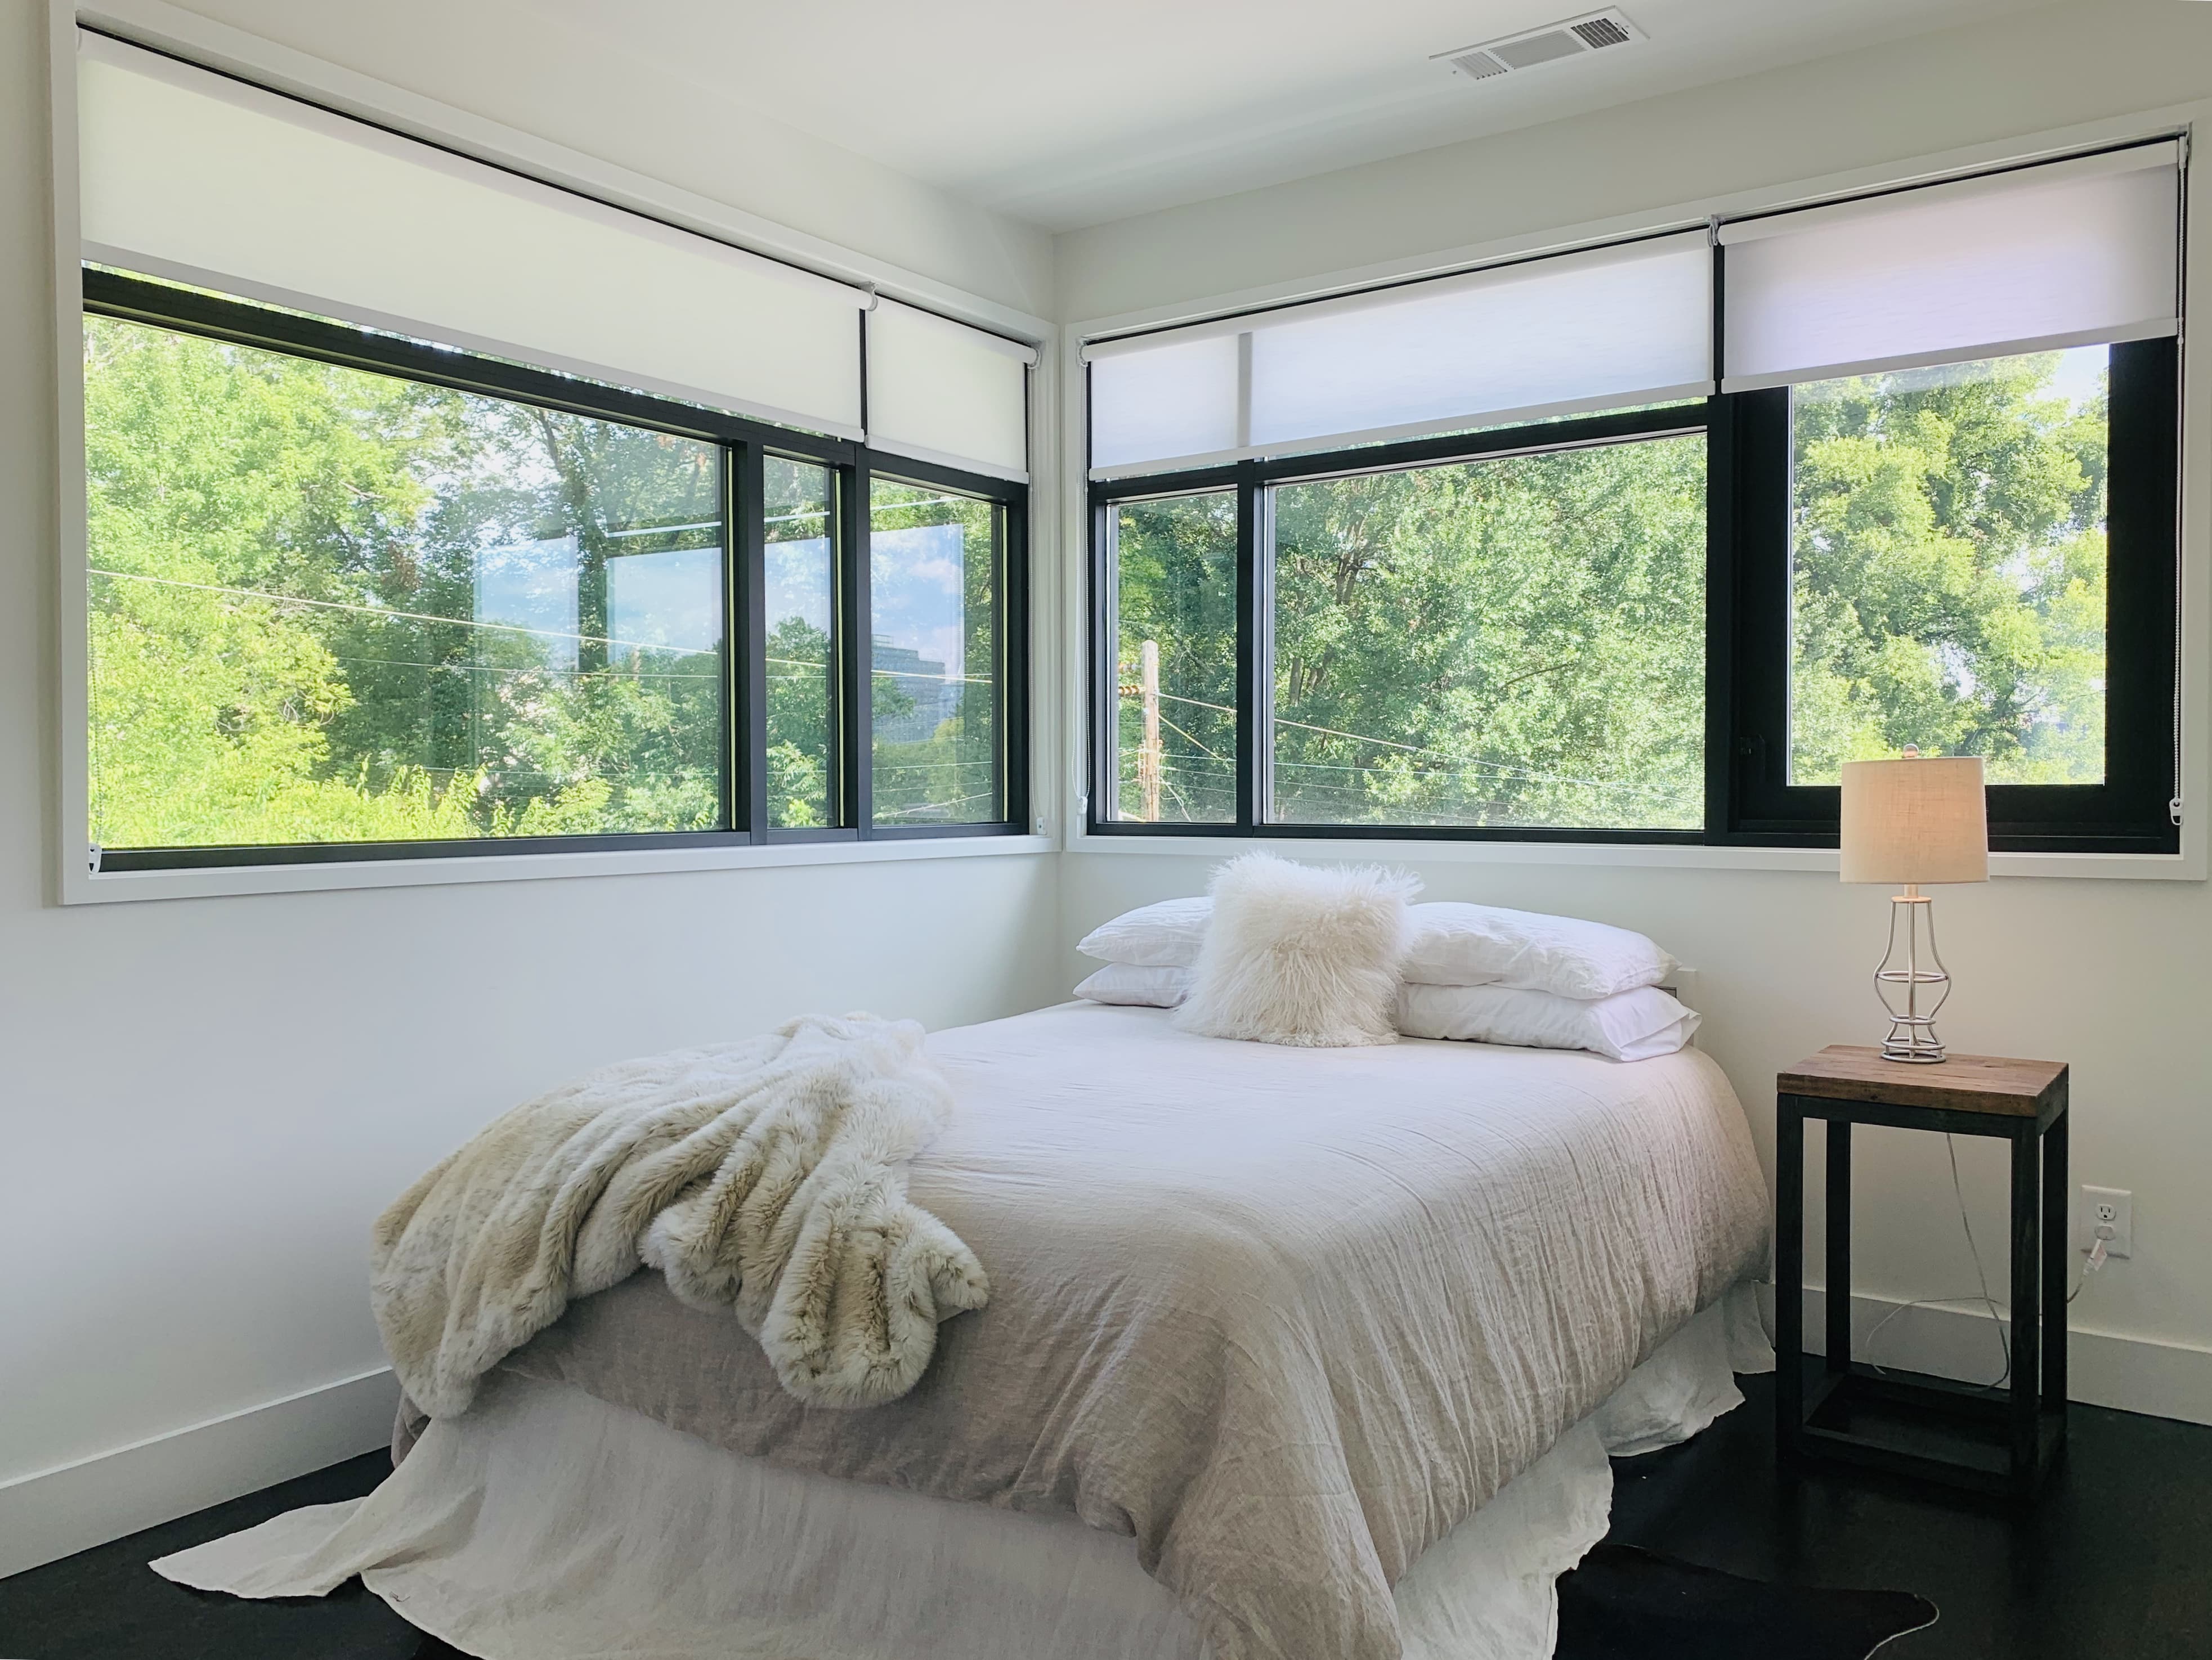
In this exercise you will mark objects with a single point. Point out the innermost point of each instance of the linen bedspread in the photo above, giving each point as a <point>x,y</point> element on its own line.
<point>1284,1315</point>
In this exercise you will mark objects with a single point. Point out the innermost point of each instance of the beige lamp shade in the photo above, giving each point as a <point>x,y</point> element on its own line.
<point>1916,820</point>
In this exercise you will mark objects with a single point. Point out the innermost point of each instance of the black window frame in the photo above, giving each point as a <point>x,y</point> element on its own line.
<point>2134,809</point>
<point>1748,804</point>
<point>1254,481</point>
<point>745,444</point>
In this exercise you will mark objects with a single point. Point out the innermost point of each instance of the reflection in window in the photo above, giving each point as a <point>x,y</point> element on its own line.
<point>1948,567</point>
<point>801,564</point>
<point>332,606</point>
<point>934,689</point>
<point>1508,642</point>
<point>1172,585</point>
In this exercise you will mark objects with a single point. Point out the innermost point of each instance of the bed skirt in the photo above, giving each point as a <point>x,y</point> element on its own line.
<point>547,1525</point>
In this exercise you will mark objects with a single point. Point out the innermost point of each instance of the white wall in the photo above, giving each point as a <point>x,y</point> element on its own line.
<point>204,1102</point>
<point>2112,976</point>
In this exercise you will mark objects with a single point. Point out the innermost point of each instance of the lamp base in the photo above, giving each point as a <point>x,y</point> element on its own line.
<point>1913,1048</point>
<point>1912,1040</point>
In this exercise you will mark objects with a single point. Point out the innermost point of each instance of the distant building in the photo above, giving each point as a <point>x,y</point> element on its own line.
<point>936,700</point>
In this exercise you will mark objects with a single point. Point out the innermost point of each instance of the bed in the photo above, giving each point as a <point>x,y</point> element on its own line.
<point>1279,1340</point>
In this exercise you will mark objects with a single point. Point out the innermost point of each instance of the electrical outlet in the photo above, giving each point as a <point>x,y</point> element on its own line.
<point>2108,1207</point>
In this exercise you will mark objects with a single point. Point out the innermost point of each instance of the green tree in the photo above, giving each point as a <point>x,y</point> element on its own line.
<point>286,636</point>
<point>1949,580</point>
<point>1514,641</point>
<point>1176,587</point>
<point>1521,641</point>
<point>954,775</point>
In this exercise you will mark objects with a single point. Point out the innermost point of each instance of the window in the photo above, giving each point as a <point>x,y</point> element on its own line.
<point>1977,558</point>
<point>394,557</point>
<point>1172,605</point>
<point>935,623</point>
<point>1892,473</point>
<point>355,596</point>
<point>1501,632</point>
<point>1508,642</point>
<point>800,533</point>
<point>1947,572</point>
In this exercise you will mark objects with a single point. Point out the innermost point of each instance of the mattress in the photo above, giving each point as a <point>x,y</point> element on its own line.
<point>1283,1317</point>
<point>546,1524</point>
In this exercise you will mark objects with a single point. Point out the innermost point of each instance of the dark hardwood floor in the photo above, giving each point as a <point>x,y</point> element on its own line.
<point>2115,1560</point>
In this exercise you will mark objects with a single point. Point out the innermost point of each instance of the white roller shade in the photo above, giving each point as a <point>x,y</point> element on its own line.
<point>1164,397</point>
<point>2067,254</point>
<point>1596,330</point>
<point>944,391</point>
<point>192,176</point>
<point>1581,331</point>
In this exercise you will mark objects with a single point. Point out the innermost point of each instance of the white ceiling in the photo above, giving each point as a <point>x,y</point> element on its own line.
<point>1068,114</point>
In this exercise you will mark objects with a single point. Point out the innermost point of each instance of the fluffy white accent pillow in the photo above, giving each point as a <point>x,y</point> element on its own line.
<point>1629,1025</point>
<point>1451,943</point>
<point>1165,935</point>
<point>1300,954</point>
<point>1137,984</point>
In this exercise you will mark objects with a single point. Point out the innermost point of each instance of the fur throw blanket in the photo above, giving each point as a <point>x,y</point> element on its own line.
<point>766,1177</point>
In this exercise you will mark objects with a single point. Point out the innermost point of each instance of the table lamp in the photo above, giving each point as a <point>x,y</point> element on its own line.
<point>1923,819</point>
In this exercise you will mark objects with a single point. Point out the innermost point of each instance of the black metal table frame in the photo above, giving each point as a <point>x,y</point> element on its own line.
<point>2033,1415</point>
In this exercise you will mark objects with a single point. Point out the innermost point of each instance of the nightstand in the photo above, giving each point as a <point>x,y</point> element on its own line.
<point>2002,1444</point>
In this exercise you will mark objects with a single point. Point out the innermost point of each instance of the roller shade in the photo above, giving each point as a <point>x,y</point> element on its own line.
<point>945,392</point>
<point>1596,330</point>
<point>2066,254</point>
<point>191,176</point>
<point>1167,398</point>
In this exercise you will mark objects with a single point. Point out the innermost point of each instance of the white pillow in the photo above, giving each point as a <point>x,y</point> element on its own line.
<point>1165,935</point>
<point>1629,1025</point>
<point>1452,943</point>
<point>1300,954</point>
<point>1138,983</point>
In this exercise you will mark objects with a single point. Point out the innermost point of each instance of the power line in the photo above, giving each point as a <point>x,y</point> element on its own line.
<point>1409,748</point>
<point>389,614</point>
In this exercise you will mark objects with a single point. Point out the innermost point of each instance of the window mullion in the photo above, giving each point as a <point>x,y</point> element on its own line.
<point>856,651</point>
<point>1105,641</point>
<point>1253,625</point>
<point>748,787</point>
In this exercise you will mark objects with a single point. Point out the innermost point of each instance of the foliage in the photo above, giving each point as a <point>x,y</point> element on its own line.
<point>1521,641</point>
<point>286,643</point>
<point>953,776</point>
<point>1177,575</point>
<point>1516,641</point>
<point>1949,579</point>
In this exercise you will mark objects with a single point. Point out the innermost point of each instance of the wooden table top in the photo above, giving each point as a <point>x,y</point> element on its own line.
<point>1963,1084</point>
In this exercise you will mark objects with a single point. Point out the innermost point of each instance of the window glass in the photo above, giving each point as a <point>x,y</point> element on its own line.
<point>1173,586</point>
<point>333,606</point>
<point>1508,642</point>
<point>801,563</point>
<point>934,699</point>
<point>1948,567</point>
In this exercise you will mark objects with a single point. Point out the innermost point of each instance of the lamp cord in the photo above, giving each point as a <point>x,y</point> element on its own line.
<point>2095,1260</point>
<point>1981,1276</point>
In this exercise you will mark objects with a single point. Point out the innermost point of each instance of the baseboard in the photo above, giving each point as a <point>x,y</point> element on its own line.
<point>2135,1374</point>
<point>54,1513</point>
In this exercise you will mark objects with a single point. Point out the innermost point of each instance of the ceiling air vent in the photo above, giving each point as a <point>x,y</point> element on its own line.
<point>1577,37</point>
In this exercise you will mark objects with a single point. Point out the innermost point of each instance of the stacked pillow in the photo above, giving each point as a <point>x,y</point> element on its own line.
<point>1488,975</point>
<point>1149,953</point>
<point>1475,972</point>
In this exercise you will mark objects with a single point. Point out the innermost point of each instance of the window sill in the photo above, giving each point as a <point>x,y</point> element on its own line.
<point>81,887</point>
<point>2188,865</point>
